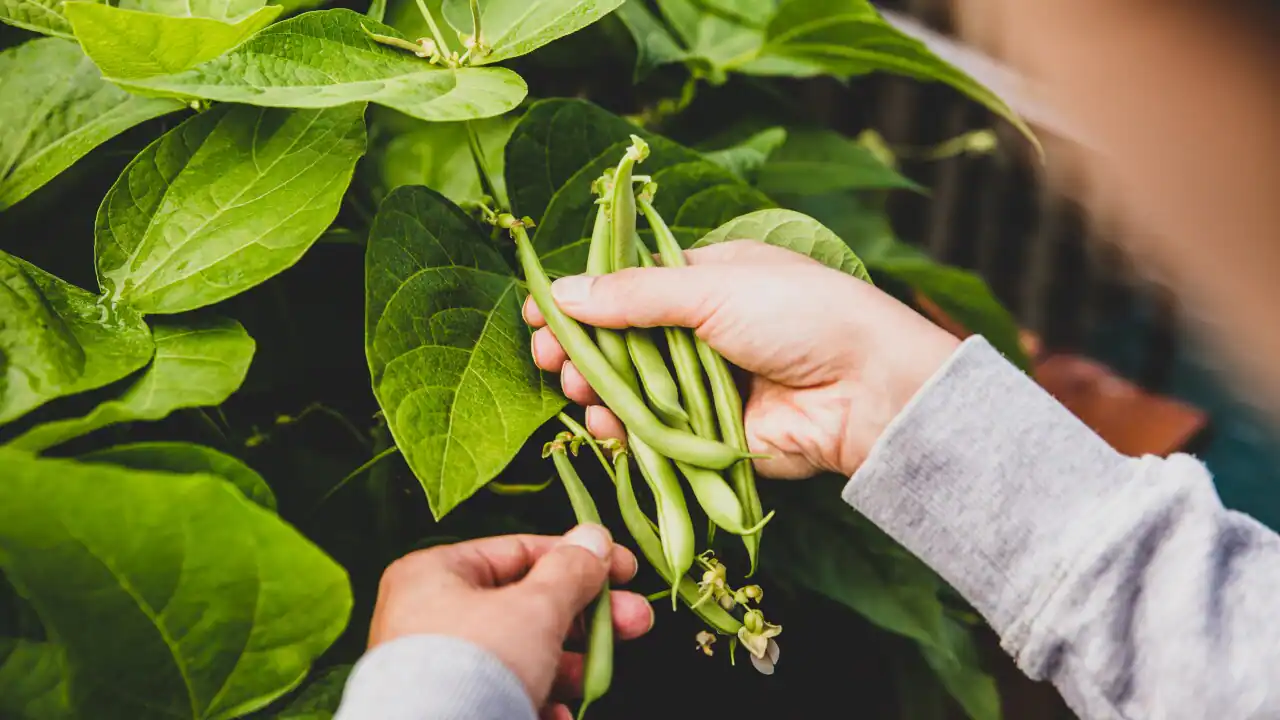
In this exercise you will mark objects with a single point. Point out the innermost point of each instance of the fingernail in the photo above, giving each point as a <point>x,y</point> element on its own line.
<point>594,539</point>
<point>571,290</point>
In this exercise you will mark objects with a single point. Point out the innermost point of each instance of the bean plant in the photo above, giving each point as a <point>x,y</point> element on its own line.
<point>262,273</point>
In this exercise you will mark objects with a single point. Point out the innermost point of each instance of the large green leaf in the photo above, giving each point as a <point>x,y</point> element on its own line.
<point>222,202</point>
<point>187,459</point>
<point>56,109</point>
<point>747,156</point>
<point>438,155</point>
<point>954,659</point>
<point>128,44</point>
<point>561,146</point>
<point>511,28</point>
<point>33,681</point>
<point>654,45</point>
<point>794,231</point>
<point>325,58</point>
<point>230,10</point>
<point>828,548</point>
<point>847,38</point>
<point>206,606</point>
<point>42,16</point>
<point>448,350</point>
<point>58,340</point>
<point>820,161</point>
<point>197,363</point>
<point>720,40</point>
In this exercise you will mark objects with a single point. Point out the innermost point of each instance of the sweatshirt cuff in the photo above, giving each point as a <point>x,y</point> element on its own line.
<point>990,481</point>
<point>433,677</point>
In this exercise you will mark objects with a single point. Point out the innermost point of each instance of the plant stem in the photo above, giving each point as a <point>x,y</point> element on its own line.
<point>435,30</point>
<point>355,474</point>
<point>475,22</point>
<point>486,177</point>
<point>580,431</point>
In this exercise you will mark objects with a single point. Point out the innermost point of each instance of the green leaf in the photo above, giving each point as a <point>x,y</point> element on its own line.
<point>56,109</point>
<point>747,157</point>
<point>794,231</point>
<point>229,10</point>
<point>42,16</point>
<point>197,363</point>
<point>654,45</point>
<point>561,146</point>
<point>325,58</point>
<point>511,28</point>
<point>187,459</point>
<point>58,340</point>
<point>722,41</point>
<point>847,38</point>
<point>959,668</point>
<point>222,202</point>
<point>319,700</point>
<point>129,44</point>
<point>962,295</point>
<point>437,155</point>
<point>33,681</point>
<point>208,606</point>
<point>447,347</point>
<point>830,549</point>
<point>820,161</point>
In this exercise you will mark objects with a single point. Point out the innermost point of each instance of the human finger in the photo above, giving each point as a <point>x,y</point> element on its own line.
<point>555,711</point>
<point>547,351</point>
<point>564,580</point>
<point>603,424</point>
<point>569,671</point>
<point>632,614</point>
<point>575,386</point>
<point>531,314</point>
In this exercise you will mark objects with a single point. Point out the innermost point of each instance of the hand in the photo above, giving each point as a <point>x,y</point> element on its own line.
<point>517,596</point>
<point>832,360</point>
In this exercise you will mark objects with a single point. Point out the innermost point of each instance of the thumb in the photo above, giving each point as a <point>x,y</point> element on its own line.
<point>645,297</point>
<point>571,575</point>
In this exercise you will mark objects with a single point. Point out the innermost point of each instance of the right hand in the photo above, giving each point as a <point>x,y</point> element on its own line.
<point>832,359</point>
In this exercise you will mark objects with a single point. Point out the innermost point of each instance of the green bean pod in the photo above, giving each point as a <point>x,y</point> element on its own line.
<point>659,387</point>
<point>651,547</point>
<point>597,668</point>
<point>623,206</point>
<point>728,401</point>
<point>600,262</point>
<point>605,380</point>
<point>674,525</point>
<point>684,356</point>
<point>719,501</point>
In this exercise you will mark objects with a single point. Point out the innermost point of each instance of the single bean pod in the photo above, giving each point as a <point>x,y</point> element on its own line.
<point>719,501</point>
<point>597,668</point>
<point>674,525</point>
<point>650,546</point>
<point>623,205</point>
<point>684,357</point>
<point>612,388</point>
<point>728,402</point>
<point>600,262</point>
<point>659,387</point>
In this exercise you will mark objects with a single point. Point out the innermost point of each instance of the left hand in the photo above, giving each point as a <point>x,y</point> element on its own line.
<point>516,596</point>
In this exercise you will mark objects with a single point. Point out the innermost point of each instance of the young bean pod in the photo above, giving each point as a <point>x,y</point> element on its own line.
<point>674,525</point>
<point>650,546</point>
<point>719,501</point>
<point>612,388</point>
<point>597,672</point>
<point>659,387</point>
<point>600,262</point>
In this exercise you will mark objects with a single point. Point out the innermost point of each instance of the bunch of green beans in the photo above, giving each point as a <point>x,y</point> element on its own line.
<point>688,425</point>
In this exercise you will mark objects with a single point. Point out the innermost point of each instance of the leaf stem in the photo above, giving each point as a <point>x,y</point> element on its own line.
<point>579,431</point>
<point>475,22</point>
<point>442,46</point>
<point>487,184</point>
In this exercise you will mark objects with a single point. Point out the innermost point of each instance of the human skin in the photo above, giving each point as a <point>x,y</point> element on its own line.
<point>831,359</point>
<point>516,596</point>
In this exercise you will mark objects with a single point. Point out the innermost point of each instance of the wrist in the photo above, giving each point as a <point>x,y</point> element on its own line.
<point>887,388</point>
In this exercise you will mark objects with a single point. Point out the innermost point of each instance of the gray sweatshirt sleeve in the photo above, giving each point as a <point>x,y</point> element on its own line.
<point>433,677</point>
<point>1122,580</point>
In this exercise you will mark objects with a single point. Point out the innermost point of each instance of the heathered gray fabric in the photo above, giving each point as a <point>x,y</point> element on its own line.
<point>1123,581</point>
<point>433,677</point>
